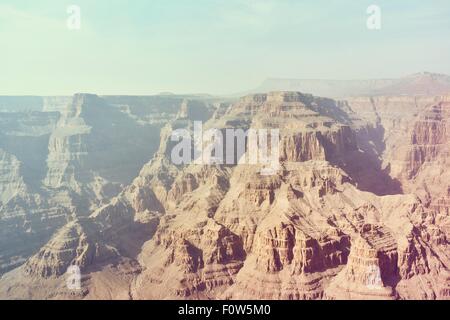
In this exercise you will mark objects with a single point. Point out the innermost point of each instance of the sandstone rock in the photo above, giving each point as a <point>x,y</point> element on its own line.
<point>74,244</point>
<point>371,270</point>
<point>348,214</point>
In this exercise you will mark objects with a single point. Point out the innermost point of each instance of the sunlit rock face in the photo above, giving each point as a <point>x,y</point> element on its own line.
<point>63,157</point>
<point>357,209</point>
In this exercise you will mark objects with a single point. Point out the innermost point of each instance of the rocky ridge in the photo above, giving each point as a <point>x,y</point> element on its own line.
<point>323,226</point>
<point>63,157</point>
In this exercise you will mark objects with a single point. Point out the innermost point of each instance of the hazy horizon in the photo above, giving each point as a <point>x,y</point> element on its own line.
<point>214,47</point>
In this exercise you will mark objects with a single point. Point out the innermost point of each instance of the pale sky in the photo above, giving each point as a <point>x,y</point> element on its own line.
<point>213,46</point>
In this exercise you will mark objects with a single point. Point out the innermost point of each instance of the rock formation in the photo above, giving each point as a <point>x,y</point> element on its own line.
<point>357,209</point>
<point>63,157</point>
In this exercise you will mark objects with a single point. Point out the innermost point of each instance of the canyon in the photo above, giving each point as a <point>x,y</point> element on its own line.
<point>357,209</point>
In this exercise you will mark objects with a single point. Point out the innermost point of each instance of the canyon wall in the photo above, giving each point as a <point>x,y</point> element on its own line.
<point>63,157</point>
<point>357,209</point>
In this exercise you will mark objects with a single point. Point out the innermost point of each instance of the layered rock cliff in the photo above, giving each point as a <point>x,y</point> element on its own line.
<point>63,157</point>
<point>333,220</point>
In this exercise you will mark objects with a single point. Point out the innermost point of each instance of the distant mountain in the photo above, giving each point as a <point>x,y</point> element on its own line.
<point>424,83</point>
